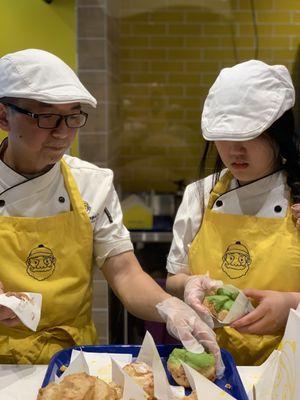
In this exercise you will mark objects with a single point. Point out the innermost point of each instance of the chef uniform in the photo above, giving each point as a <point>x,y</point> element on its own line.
<point>242,235</point>
<point>55,225</point>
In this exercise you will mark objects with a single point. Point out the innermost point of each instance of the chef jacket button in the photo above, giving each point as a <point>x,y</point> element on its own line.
<point>277,209</point>
<point>2,203</point>
<point>219,203</point>
<point>61,199</point>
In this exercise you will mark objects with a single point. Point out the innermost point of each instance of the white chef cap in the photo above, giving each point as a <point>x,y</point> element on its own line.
<point>245,100</point>
<point>42,76</point>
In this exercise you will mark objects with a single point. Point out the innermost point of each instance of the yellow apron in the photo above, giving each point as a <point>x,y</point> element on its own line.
<point>248,252</point>
<point>52,256</point>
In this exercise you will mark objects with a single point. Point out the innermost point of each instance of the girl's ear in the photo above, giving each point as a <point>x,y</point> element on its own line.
<point>4,123</point>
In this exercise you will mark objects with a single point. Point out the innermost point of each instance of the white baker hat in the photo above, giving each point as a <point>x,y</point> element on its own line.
<point>245,100</point>
<point>42,76</point>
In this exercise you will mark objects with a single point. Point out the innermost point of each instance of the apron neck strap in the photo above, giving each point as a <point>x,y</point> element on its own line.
<point>220,187</point>
<point>73,192</point>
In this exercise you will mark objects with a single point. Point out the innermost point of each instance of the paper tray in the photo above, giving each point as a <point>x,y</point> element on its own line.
<point>231,375</point>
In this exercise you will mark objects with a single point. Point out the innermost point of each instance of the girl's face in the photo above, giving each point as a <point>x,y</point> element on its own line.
<point>249,160</point>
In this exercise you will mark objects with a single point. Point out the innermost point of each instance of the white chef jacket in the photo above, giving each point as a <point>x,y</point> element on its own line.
<point>46,195</point>
<point>266,197</point>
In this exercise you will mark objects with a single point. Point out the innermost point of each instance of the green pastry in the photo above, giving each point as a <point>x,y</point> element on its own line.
<point>220,303</point>
<point>204,363</point>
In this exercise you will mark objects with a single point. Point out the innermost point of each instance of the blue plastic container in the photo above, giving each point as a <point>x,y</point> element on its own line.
<point>231,376</point>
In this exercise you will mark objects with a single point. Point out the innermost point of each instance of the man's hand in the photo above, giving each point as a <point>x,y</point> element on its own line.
<point>196,287</point>
<point>296,214</point>
<point>184,324</point>
<point>271,314</point>
<point>7,316</point>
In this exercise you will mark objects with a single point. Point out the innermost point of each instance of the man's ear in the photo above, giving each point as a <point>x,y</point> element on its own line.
<point>4,123</point>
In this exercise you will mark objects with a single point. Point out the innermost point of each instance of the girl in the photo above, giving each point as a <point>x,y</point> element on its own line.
<point>237,224</point>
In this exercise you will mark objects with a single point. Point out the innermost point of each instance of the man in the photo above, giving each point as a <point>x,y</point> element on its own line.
<point>58,213</point>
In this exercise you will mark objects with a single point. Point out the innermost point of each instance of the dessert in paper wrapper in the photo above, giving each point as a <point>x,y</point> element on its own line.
<point>99,364</point>
<point>227,304</point>
<point>78,365</point>
<point>202,387</point>
<point>149,355</point>
<point>27,307</point>
<point>128,386</point>
<point>280,379</point>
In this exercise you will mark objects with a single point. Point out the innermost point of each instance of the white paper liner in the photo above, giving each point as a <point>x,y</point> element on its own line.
<point>204,388</point>
<point>240,307</point>
<point>286,383</point>
<point>279,377</point>
<point>149,355</point>
<point>27,310</point>
<point>78,365</point>
<point>108,367</point>
<point>131,390</point>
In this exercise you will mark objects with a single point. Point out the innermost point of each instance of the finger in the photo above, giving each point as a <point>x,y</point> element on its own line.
<point>298,223</point>
<point>198,306</point>
<point>258,328</point>
<point>189,341</point>
<point>254,294</point>
<point>250,318</point>
<point>296,207</point>
<point>212,346</point>
<point>6,313</point>
<point>296,214</point>
<point>11,322</point>
<point>19,295</point>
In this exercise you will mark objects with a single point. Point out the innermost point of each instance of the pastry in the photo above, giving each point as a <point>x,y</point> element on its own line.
<point>220,303</point>
<point>204,363</point>
<point>80,386</point>
<point>143,376</point>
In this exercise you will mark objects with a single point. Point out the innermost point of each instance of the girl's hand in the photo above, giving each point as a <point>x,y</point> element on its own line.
<point>271,314</point>
<point>296,214</point>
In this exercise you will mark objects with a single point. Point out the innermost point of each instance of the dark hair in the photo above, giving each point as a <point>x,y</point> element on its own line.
<point>282,131</point>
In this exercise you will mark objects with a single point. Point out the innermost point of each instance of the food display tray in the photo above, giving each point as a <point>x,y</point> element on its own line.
<point>230,383</point>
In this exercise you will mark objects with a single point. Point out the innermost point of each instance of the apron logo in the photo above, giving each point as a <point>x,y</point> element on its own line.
<point>236,260</point>
<point>40,263</point>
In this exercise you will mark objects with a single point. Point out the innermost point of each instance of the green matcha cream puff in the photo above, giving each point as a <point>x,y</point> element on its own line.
<point>204,363</point>
<point>220,303</point>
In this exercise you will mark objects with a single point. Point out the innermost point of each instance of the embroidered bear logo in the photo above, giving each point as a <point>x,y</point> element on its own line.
<point>236,260</point>
<point>40,263</point>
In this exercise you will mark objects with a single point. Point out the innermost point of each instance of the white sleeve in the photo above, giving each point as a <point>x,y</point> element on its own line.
<point>110,235</point>
<point>186,225</point>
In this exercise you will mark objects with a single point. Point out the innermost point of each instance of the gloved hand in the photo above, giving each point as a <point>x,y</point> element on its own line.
<point>184,324</point>
<point>196,287</point>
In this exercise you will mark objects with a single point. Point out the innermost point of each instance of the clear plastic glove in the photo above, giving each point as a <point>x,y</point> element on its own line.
<point>184,324</point>
<point>196,287</point>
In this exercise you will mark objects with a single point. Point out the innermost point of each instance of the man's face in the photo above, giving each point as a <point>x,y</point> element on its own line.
<point>36,148</point>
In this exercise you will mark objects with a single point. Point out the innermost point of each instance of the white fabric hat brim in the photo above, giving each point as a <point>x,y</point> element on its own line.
<point>245,100</point>
<point>41,76</point>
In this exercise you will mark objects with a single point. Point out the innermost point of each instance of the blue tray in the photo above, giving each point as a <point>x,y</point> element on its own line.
<point>231,375</point>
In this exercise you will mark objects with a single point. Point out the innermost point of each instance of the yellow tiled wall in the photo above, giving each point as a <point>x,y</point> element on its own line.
<point>170,53</point>
<point>36,24</point>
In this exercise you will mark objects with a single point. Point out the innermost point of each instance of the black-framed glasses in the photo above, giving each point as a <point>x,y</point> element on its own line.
<point>51,121</point>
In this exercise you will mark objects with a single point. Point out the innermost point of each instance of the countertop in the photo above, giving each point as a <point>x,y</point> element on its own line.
<point>21,382</point>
